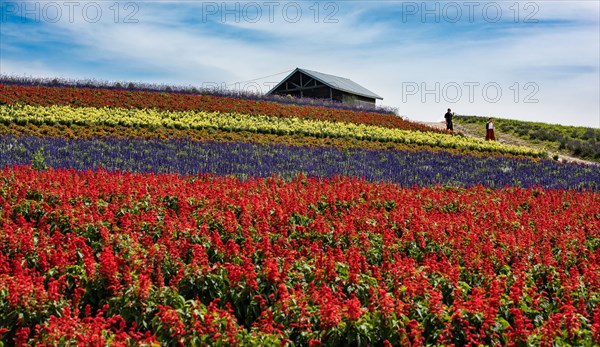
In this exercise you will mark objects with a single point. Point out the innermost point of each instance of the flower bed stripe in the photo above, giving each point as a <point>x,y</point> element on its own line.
<point>98,97</point>
<point>406,168</point>
<point>22,114</point>
<point>74,131</point>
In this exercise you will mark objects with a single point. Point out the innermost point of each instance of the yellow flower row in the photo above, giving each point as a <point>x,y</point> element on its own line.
<point>240,122</point>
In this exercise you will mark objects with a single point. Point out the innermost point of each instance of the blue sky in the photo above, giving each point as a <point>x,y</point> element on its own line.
<point>531,60</point>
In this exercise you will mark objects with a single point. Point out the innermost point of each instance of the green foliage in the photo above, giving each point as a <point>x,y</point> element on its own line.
<point>38,162</point>
<point>581,142</point>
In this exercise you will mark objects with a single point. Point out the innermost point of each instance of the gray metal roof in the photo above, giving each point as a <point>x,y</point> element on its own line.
<point>336,82</point>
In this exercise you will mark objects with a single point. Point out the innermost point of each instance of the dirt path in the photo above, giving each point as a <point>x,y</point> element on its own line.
<point>507,140</point>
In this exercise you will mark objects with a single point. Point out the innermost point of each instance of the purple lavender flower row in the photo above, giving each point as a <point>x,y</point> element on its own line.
<point>405,168</point>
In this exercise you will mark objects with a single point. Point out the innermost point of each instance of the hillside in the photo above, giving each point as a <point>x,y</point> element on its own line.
<point>171,217</point>
<point>571,141</point>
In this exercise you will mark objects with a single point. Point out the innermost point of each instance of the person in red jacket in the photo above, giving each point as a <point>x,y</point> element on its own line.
<point>489,130</point>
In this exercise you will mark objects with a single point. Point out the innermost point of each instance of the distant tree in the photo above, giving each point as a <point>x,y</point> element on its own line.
<point>589,134</point>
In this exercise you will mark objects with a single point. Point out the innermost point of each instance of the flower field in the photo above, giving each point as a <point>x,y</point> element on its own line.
<point>144,218</point>
<point>22,114</point>
<point>130,258</point>
<point>244,160</point>
<point>99,98</point>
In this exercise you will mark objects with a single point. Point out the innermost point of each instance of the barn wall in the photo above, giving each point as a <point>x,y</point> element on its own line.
<point>357,99</point>
<point>321,92</point>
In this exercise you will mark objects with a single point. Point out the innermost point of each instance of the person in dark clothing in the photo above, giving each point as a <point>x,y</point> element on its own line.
<point>489,130</point>
<point>448,117</point>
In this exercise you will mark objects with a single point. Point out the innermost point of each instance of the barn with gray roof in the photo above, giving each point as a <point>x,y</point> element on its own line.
<point>318,85</point>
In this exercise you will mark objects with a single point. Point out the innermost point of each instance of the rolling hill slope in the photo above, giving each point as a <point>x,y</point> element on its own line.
<point>169,217</point>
